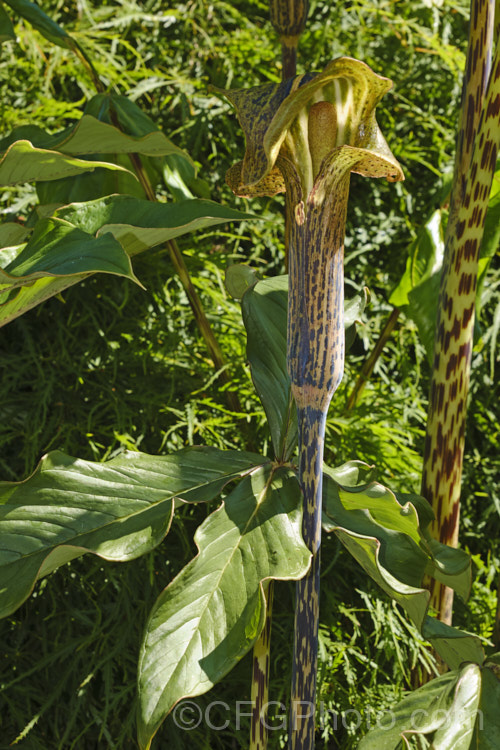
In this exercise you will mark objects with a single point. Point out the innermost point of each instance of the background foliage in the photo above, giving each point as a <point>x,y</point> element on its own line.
<point>109,366</point>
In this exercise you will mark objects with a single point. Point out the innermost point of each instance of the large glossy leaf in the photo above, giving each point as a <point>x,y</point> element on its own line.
<point>449,565</point>
<point>56,256</point>
<point>22,162</point>
<point>118,510</point>
<point>264,306</point>
<point>59,249</point>
<point>123,114</point>
<point>155,222</point>
<point>91,185</point>
<point>127,114</point>
<point>457,711</point>
<point>92,136</point>
<point>491,238</point>
<point>387,540</point>
<point>140,224</point>
<point>264,309</point>
<point>487,729</point>
<point>425,258</point>
<point>211,614</point>
<point>180,176</point>
<point>453,646</point>
<point>422,711</point>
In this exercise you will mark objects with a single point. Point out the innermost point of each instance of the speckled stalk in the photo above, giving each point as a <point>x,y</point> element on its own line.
<point>477,150</point>
<point>259,728</point>
<point>315,364</point>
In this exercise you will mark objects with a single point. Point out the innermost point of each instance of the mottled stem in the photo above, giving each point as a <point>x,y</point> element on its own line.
<point>260,679</point>
<point>474,166</point>
<point>304,670</point>
<point>315,364</point>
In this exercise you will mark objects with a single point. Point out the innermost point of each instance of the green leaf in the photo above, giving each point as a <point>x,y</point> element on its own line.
<point>352,474</point>
<point>448,565</point>
<point>422,711</point>
<point>7,32</point>
<point>140,224</point>
<point>59,249</point>
<point>42,22</point>
<point>264,306</point>
<point>387,540</point>
<point>453,646</point>
<point>238,278</point>
<point>91,185</point>
<point>118,510</point>
<point>418,289</point>
<point>56,256</point>
<point>425,258</point>
<point>457,711</point>
<point>452,567</point>
<point>116,126</point>
<point>264,309</point>
<point>180,176</point>
<point>92,136</point>
<point>117,108</point>
<point>455,732</point>
<point>353,312</point>
<point>211,614</point>
<point>491,239</point>
<point>487,729</point>
<point>12,234</point>
<point>22,162</point>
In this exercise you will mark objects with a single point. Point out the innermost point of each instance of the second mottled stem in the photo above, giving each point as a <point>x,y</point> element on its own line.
<point>261,660</point>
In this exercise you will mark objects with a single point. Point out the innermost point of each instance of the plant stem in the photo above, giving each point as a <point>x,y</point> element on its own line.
<point>315,363</point>
<point>260,679</point>
<point>371,360</point>
<point>289,57</point>
<point>88,65</point>
<point>474,167</point>
<point>305,657</point>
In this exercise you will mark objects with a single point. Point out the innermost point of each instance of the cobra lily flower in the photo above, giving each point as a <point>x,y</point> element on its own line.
<point>305,136</point>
